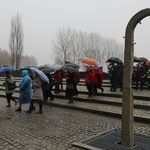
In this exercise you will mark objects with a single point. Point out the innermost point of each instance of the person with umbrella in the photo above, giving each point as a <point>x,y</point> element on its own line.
<point>25,87</point>
<point>111,70</point>
<point>37,94</point>
<point>90,81</point>
<point>118,76</point>
<point>140,75</point>
<point>9,92</point>
<point>47,88</point>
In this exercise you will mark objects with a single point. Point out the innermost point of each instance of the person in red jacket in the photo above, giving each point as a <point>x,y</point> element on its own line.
<point>98,80</point>
<point>90,81</point>
<point>58,81</point>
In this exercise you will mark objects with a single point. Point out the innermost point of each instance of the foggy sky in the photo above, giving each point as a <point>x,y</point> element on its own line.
<point>42,19</point>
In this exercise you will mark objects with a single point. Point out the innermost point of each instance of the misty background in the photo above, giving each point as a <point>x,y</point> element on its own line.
<point>43,21</point>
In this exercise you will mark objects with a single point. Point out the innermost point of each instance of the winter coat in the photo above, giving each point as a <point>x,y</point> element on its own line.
<point>25,87</point>
<point>98,78</point>
<point>118,72</point>
<point>57,77</point>
<point>90,77</point>
<point>9,79</point>
<point>77,77</point>
<point>141,73</point>
<point>37,89</point>
<point>70,82</point>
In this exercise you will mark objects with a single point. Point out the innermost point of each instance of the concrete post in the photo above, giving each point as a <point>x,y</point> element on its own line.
<point>127,131</point>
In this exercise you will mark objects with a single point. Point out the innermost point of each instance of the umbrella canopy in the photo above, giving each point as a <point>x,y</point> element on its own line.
<point>55,67</point>
<point>87,65</point>
<point>143,59</point>
<point>48,70</point>
<point>137,59</point>
<point>4,69</point>
<point>42,67</point>
<point>40,73</point>
<point>98,65</point>
<point>114,60</point>
<point>70,69</point>
<point>88,61</point>
<point>72,65</point>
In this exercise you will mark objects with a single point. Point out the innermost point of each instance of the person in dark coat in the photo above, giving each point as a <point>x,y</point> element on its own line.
<point>47,88</point>
<point>77,80</point>
<point>70,81</point>
<point>112,75</point>
<point>118,72</point>
<point>140,75</point>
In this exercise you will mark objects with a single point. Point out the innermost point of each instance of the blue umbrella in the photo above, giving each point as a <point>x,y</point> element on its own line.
<point>4,69</point>
<point>55,67</point>
<point>40,73</point>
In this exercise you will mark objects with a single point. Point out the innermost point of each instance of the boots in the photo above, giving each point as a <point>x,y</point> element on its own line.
<point>18,109</point>
<point>8,105</point>
<point>40,108</point>
<point>31,108</point>
<point>70,100</point>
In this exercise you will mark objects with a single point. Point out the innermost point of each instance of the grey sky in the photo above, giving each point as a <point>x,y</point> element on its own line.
<point>43,18</point>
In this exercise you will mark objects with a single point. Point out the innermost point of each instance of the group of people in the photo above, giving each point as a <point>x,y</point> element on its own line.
<point>30,91</point>
<point>140,76</point>
<point>93,81</point>
<point>32,88</point>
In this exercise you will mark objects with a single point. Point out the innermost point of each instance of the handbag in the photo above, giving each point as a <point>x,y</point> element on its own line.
<point>12,86</point>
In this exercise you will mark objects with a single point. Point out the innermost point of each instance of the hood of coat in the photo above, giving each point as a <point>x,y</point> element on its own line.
<point>24,73</point>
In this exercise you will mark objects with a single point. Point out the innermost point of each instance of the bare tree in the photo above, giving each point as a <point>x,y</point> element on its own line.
<point>62,45</point>
<point>71,45</point>
<point>16,41</point>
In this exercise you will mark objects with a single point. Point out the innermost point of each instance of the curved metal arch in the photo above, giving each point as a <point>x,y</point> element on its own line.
<point>127,131</point>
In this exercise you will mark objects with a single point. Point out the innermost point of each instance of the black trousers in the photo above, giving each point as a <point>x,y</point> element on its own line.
<point>90,90</point>
<point>32,105</point>
<point>57,88</point>
<point>47,94</point>
<point>9,97</point>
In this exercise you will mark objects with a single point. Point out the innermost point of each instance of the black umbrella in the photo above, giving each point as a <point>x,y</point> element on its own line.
<point>114,60</point>
<point>137,59</point>
<point>72,65</point>
<point>48,70</point>
<point>143,59</point>
<point>70,69</point>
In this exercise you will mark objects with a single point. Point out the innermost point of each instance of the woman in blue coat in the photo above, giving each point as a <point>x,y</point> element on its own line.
<point>25,87</point>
